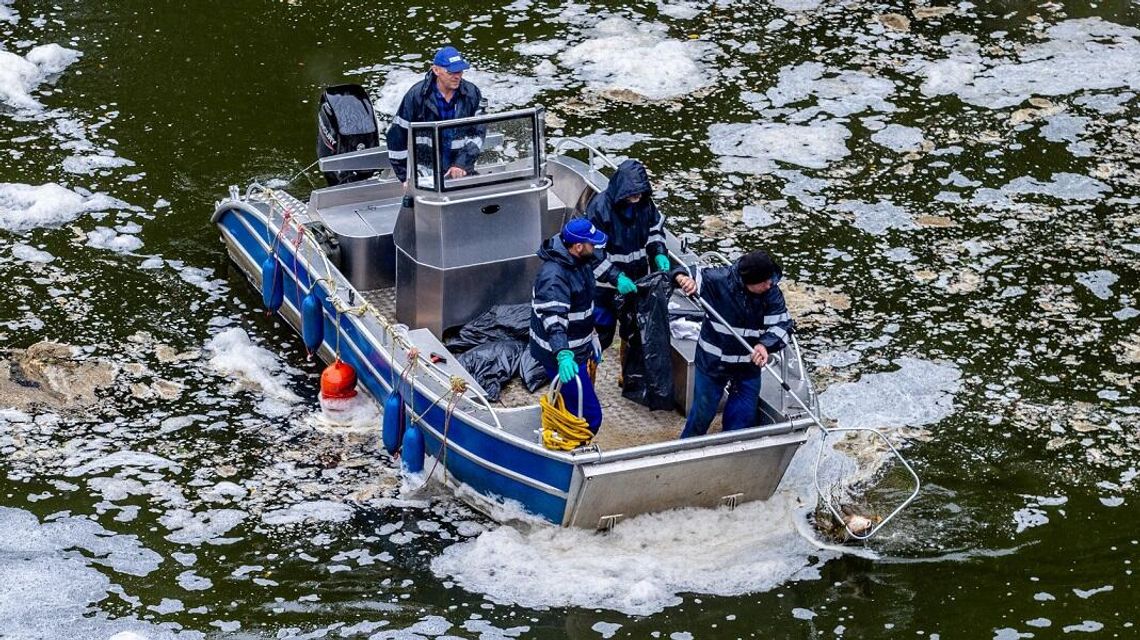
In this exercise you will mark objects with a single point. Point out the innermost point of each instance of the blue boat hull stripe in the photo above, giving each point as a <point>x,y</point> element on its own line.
<point>437,435</point>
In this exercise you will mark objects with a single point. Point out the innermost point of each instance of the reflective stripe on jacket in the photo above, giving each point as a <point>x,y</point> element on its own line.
<point>759,319</point>
<point>562,309</point>
<point>636,232</point>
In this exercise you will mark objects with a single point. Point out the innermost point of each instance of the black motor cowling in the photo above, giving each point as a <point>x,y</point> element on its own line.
<point>346,122</point>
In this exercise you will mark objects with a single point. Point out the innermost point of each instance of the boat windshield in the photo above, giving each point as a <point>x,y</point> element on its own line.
<point>477,151</point>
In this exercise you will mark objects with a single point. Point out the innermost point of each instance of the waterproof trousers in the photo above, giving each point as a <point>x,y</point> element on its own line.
<point>739,410</point>
<point>591,408</point>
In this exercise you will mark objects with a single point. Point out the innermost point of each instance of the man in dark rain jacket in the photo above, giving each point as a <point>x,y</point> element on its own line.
<point>442,95</point>
<point>747,296</point>
<point>562,336</point>
<point>635,229</point>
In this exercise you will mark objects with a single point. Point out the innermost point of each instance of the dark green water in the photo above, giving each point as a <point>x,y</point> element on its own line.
<point>901,168</point>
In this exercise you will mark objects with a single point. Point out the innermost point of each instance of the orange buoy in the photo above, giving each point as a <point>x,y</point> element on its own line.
<point>338,380</point>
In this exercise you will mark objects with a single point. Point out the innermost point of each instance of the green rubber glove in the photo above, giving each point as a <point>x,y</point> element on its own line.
<point>567,368</point>
<point>625,285</point>
<point>662,261</point>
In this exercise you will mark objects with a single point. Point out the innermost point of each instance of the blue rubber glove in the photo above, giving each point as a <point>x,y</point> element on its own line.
<point>625,285</point>
<point>567,368</point>
<point>663,263</point>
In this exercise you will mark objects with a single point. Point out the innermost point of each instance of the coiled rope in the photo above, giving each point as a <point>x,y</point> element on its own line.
<point>562,430</point>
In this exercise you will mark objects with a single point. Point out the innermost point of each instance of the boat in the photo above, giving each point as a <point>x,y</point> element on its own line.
<point>393,271</point>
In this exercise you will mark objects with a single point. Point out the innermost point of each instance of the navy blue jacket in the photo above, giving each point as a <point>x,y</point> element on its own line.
<point>562,312</point>
<point>418,105</point>
<point>636,231</point>
<point>760,319</point>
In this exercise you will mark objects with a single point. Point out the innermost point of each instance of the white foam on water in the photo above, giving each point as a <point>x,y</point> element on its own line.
<point>232,354</point>
<point>1085,594</point>
<point>131,459</point>
<point>606,629</point>
<point>358,413</point>
<point>196,528</point>
<point>20,76</point>
<point>878,218</point>
<point>1098,282</point>
<point>542,48</point>
<point>897,137</point>
<point>680,9</point>
<point>613,55</point>
<point>1086,626</point>
<point>800,613</point>
<point>53,586</point>
<point>24,207</point>
<point>759,147</point>
<point>793,6</point>
<point>606,141</point>
<point>1063,127</point>
<point>1063,185</point>
<point>90,164</point>
<point>1079,55</point>
<point>918,393</point>
<point>1105,102</point>
<point>757,216</point>
<point>106,238</point>
<point>641,566</point>
<point>841,93</point>
<point>1028,518</point>
<point>7,13</point>
<point>309,513</point>
<point>28,253</point>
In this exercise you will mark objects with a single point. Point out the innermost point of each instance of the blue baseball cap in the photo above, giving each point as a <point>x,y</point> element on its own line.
<point>449,58</point>
<point>582,230</point>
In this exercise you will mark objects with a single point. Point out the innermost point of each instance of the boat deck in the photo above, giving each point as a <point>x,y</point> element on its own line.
<point>624,424</point>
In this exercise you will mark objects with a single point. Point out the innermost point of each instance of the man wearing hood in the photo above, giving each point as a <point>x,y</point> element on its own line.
<point>442,95</point>
<point>562,337</point>
<point>747,295</point>
<point>625,212</point>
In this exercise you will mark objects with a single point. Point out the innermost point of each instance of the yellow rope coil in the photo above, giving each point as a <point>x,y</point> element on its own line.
<point>562,430</point>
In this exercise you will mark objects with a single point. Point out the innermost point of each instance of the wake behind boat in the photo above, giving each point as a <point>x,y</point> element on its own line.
<point>378,284</point>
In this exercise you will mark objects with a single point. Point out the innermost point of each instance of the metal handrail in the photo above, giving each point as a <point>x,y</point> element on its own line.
<point>594,152</point>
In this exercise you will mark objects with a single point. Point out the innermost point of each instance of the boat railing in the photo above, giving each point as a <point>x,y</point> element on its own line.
<point>594,151</point>
<point>289,209</point>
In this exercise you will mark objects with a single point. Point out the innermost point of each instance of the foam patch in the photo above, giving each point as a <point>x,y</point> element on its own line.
<point>24,207</point>
<point>762,147</point>
<point>20,76</point>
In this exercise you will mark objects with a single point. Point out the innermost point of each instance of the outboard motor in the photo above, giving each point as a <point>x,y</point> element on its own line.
<point>346,122</point>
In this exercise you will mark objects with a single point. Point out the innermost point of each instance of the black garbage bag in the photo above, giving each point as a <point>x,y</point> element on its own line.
<point>647,372</point>
<point>533,374</point>
<point>492,364</point>
<point>501,322</point>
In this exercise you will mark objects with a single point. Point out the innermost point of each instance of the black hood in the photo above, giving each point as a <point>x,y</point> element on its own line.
<point>630,179</point>
<point>554,250</point>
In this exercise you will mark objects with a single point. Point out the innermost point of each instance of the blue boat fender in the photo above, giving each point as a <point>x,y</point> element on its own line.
<point>272,284</point>
<point>392,425</point>
<point>413,455</point>
<point>312,320</point>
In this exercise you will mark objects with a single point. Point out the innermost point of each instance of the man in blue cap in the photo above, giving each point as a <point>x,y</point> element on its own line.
<point>562,336</point>
<point>442,95</point>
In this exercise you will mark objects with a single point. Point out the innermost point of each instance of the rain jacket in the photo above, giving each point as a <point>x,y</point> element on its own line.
<point>462,145</point>
<point>562,310</point>
<point>762,319</point>
<point>636,231</point>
